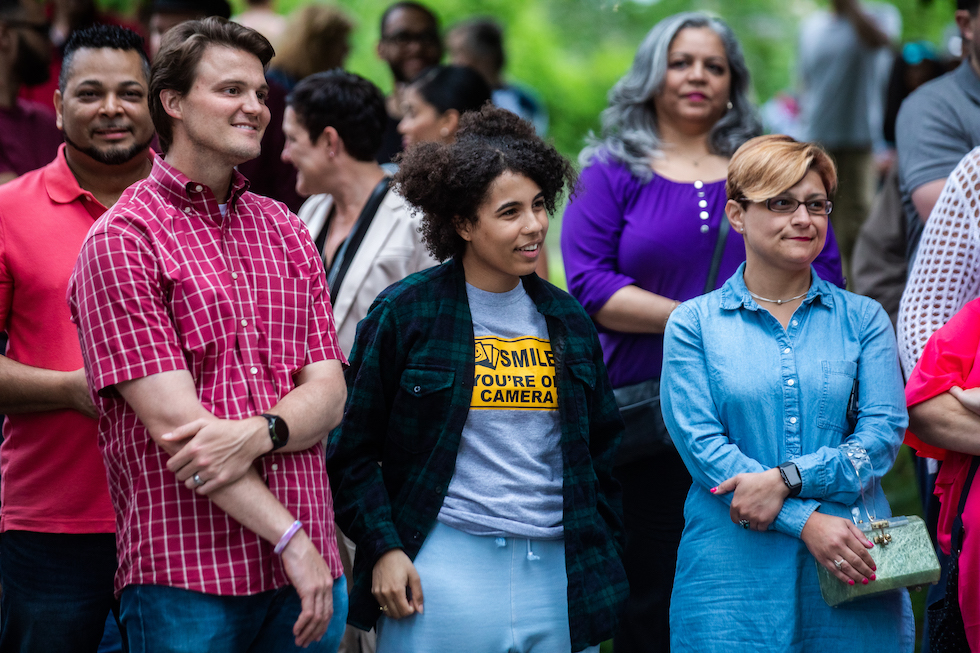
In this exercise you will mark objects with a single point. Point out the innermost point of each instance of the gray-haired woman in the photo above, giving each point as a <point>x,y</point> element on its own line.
<point>642,234</point>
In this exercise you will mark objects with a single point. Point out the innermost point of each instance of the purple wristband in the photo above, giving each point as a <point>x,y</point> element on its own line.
<point>288,535</point>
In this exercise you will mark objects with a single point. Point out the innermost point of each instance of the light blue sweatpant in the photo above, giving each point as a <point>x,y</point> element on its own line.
<point>485,595</point>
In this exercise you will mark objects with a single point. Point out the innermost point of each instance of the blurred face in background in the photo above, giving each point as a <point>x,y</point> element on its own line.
<point>26,32</point>
<point>161,23</point>
<point>409,43</point>
<point>422,122</point>
<point>698,81</point>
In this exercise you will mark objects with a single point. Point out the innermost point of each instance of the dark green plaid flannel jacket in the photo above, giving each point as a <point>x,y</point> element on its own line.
<point>409,384</point>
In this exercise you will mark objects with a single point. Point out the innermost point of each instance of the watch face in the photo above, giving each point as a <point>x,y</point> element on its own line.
<point>278,431</point>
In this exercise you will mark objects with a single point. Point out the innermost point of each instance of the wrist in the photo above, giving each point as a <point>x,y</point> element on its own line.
<point>292,539</point>
<point>791,478</point>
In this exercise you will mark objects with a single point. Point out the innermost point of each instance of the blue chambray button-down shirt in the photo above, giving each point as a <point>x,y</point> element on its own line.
<point>742,394</point>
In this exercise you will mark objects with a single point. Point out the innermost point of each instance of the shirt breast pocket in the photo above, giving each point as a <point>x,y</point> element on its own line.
<point>835,393</point>
<point>421,407</point>
<point>283,305</point>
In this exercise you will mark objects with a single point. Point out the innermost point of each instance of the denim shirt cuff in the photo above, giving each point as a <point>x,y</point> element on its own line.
<point>814,483</point>
<point>793,516</point>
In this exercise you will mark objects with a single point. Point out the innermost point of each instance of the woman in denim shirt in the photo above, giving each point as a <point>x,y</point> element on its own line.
<point>757,378</point>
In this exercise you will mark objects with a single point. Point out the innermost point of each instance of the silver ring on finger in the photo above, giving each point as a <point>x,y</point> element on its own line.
<point>744,523</point>
<point>198,481</point>
<point>838,563</point>
<point>384,609</point>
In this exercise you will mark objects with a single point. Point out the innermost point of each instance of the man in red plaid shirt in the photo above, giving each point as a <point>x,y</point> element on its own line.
<point>206,328</point>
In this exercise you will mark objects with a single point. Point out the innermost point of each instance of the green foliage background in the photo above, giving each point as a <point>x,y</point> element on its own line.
<point>572,51</point>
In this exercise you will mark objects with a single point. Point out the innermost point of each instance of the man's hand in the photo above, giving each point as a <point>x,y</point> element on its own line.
<point>394,580</point>
<point>835,539</point>
<point>310,575</point>
<point>78,394</point>
<point>758,497</point>
<point>217,451</point>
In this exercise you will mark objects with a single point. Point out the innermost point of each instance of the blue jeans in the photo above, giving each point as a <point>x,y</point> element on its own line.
<point>159,619</point>
<point>57,590</point>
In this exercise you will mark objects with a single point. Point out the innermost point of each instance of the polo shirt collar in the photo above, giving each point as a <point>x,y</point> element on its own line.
<point>967,79</point>
<point>735,295</point>
<point>183,192</point>
<point>61,184</point>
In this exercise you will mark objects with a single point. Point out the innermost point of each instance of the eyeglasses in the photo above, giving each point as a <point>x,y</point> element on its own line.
<point>404,38</point>
<point>789,205</point>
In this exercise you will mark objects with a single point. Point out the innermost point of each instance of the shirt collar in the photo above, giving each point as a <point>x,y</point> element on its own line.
<point>968,80</point>
<point>734,294</point>
<point>185,193</point>
<point>61,185</point>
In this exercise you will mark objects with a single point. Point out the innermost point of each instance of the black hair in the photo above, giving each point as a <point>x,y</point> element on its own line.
<point>452,87</point>
<point>449,183</point>
<point>347,102</point>
<point>968,5</point>
<point>199,8</point>
<point>484,39</point>
<point>101,36</point>
<point>414,6</point>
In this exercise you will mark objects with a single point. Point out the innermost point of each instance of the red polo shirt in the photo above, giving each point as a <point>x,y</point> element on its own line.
<point>53,477</point>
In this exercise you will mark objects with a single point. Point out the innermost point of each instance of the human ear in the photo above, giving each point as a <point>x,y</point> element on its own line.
<point>59,106</point>
<point>171,102</point>
<point>965,23</point>
<point>449,123</point>
<point>464,228</point>
<point>736,215</point>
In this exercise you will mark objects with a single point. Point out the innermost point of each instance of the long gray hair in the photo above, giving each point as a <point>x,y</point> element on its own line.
<point>629,124</point>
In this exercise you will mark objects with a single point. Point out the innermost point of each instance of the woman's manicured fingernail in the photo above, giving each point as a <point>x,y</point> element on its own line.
<point>850,581</point>
<point>713,490</point>
<point>873,577</point>
<point>864,581</point>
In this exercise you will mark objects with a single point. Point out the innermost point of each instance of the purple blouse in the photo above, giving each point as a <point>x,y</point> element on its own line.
<point>659,236</point>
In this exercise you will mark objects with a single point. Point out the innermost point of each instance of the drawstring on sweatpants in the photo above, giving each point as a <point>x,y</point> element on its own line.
<point>530,554</point>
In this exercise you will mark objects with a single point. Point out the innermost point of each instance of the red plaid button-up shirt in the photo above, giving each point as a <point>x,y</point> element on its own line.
<point>164,282</point>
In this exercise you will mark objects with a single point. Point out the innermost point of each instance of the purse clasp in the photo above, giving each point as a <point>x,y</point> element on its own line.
<point>884,537</point>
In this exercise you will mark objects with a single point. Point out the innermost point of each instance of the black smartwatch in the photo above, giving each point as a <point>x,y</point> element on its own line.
<point>278,431</point>
<point>791,477</point>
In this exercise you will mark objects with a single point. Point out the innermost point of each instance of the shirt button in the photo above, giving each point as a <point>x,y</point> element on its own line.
<point>234,275</point>
<point>704,215</point>
<point>187,209</point>
<point>199,188</point>
<point>699,184</point>
<point>790,382</point>
<point>244,322</point>
<point>794,322</point>
<point>700,193</point>
<point>417,389</point>
<point>704,228</point>
<point>275,467</point>
<point>439,490</point>
<point>703,203</point>
<point>786,351</point>
<point>253,370</point>
<point>792,420</point>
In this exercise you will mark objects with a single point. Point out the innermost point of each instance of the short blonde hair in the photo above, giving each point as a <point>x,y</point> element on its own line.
<point>769,165</point>
<point>317,39</point>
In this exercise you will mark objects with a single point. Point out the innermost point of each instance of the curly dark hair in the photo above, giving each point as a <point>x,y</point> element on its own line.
<point>449,183</point>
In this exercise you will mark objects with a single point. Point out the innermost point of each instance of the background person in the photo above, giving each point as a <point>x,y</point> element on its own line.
<point>58,543</point>
<point>638,238</point>
<point>433,103</point>
<point>319,40</point>
<point>410,43</point>
<point>479,44</point>
<point>496,505</point>
<point>757,380</point>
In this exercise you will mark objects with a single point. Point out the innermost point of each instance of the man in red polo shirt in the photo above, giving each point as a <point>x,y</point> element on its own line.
<point>57,522</point>
<point>206,328</point>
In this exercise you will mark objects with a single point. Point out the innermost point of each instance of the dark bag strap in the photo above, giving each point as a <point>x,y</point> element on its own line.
<point>716,256</point>
<point>345,255</point>
<point>957,531</point>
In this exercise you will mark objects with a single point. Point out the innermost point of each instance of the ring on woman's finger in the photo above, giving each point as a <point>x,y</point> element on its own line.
<point>198,481</point>
<point>744,523</point>
<point>384,609</point>
<point>838,563</point>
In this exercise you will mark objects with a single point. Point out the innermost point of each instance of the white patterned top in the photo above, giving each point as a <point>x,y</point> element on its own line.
<point>946,273</point>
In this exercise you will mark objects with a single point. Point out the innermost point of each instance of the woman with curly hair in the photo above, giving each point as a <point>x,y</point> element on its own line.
<point>480,389</point>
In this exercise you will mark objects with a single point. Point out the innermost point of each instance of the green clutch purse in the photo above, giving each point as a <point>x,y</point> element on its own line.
<point>903,554</point>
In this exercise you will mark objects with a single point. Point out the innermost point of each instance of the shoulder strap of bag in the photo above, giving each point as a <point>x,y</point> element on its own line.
<point>716,256</point>
<point>957,531</point>
<point>345,255</point>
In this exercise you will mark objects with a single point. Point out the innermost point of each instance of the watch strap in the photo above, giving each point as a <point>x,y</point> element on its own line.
<point>277,441</point>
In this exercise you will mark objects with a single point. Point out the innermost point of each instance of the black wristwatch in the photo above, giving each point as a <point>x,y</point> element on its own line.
<point>791,477</point>
<point>278,431</point>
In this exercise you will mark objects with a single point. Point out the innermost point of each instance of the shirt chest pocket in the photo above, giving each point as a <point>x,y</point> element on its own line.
<point>421,407</point>
<point>283,310</point>
<point>837,382</point>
